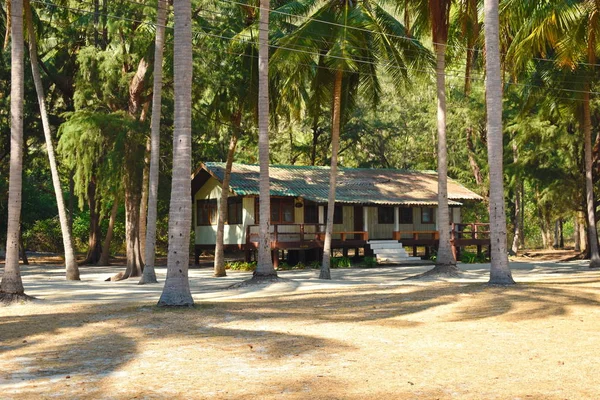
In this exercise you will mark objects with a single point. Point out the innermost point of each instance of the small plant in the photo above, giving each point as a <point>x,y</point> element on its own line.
<point>315,265</point>
<point>241,266</point>
<point>369,262</point>
<point>472,258</point>
<point>340,262</point>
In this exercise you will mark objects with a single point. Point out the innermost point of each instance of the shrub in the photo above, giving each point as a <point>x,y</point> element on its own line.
<point>44,235</point>
<point>369,262</point>
<point>340,262</point>
<point>472,258</point>
<point>241,266</point>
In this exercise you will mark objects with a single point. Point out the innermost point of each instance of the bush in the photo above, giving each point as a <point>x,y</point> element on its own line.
<point>369,262</point>
<point>44,235</point>
<point>241,266</point>
<point>472,258</point>
<point>340,262</point>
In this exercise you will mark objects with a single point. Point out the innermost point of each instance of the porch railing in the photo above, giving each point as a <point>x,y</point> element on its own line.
<point>302,233</point>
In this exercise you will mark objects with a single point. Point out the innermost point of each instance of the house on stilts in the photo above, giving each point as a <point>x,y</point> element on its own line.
<point>380,212</point>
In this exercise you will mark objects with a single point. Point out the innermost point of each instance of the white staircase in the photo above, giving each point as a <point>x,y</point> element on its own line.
<point>391,252</point>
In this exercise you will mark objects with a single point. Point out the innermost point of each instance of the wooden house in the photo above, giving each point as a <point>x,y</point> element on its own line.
<point>371,204</point>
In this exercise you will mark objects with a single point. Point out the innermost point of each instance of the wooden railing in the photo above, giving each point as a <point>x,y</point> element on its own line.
<point>300,233</point>
<point>457,231</point>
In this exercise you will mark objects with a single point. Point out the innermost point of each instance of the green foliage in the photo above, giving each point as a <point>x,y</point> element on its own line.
<point>369,262</point>
<point>341,262</point>
<point>45,235</point>
<point>241,266</point>
<point>472,258</point>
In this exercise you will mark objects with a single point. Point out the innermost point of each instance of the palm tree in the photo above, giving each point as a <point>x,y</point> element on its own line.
<point>264,267</point>
<point>499,271</point>
<point>570,30</point>
<point>11,286</point>
<point>341,44</point>
<point>149,275</point>
<point>72,270</point>
<point>176,291</point>
<point>436,14</point>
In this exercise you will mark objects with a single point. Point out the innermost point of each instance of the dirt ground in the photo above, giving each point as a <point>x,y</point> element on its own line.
<point>367,334</point>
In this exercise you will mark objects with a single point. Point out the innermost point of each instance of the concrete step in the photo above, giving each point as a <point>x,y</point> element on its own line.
<point>382,241</point>
<point>401,260</point>
<point>395,245</point>
<point>390,251</point>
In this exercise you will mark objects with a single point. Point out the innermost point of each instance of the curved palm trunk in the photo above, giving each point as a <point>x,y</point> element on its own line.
<point>72,270</point>
<point>149,274</point>
<point>499,271</point>
<point>219,246</point>
<point>589,182</point>
<point>335,143</point>
<point>264,267</point>
<point>12,284</point>
<point>8,24</point>
<point>176,291</point>
<point>445,261</point>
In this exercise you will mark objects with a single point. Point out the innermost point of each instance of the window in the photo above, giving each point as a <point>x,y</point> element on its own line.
<point>282,210</point>
<point>234,210</point>
<point>385,215</point>
<point>427,215</point>
<point>406,215</point>
<point>338,215</point>
<point>311,213</point>
<point>206,212</point>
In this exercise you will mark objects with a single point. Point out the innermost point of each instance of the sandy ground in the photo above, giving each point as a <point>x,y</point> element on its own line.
<point>367,334</point>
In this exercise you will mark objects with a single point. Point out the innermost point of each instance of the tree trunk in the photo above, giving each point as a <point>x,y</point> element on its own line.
<point>22,251</point>
<point>500,273</point>
<point>582,231</point>
<point>94,248</point>
<point>176,291</point>
<point>104,258</point>
<point>219,246</point>
<point>11,285</point>
<point>71,199</point>
<point>325,272</point>
<point>517,216</point>
<point>149,275</point>
<point>445,261</point>
<point>72,271</point>
<point>589,182</point>
<point>144,201</point>
<point>576,238</point>
<point>8,24</point>
<point>264,267</point>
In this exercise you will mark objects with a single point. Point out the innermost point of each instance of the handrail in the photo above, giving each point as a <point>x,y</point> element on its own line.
<point>318,234</point>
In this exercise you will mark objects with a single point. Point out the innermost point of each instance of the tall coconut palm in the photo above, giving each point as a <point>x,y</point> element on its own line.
<point>72,270</point>
<point>342,44</point>
<point>11,287</point>
<point>176,291</point>
<point>436,15</point>
<point>570,30</point>
<point>499,270</point>
<point>149,275</point>
<point>264,267</point>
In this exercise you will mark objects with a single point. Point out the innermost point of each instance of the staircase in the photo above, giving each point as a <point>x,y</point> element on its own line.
<point>391,252</point>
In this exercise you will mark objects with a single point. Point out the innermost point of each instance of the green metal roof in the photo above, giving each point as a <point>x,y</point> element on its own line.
<point>354,185</point>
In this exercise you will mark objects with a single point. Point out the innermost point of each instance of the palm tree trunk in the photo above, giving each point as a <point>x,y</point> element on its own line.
<point>72,270</point>
<point>499,271</point>
<point>264,267</point>
<point>335,143</point>
<point>589,182</point>
<point>144,200</point>
<point>445,261</point>
<point>219,246</point>
<point>8,24</point>
<point>176,291</point>
<point>12,285</point>
<point>149,274</point>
